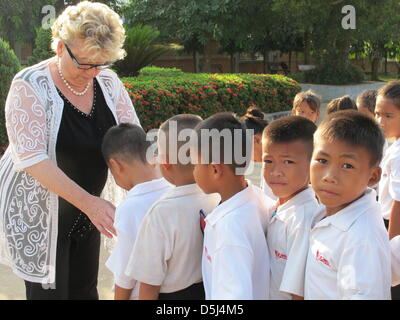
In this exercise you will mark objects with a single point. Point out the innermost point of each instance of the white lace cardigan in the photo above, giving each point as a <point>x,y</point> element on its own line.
<point>29,211</point>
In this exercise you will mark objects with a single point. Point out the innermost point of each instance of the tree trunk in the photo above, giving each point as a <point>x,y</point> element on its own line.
<point>232,62</point>
<point>386,62</point>
<point>265,62</point>
<point>207,58</point>
<point>290,62</point>
<point>237,61</point>
<point>195,62</point>
<point>374,68</point>
<point>307,47</point>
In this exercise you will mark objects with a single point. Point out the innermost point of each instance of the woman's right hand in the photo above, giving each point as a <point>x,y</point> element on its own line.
<point>101,213</point>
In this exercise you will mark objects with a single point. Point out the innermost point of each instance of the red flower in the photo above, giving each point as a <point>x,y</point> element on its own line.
<point>229,90</point>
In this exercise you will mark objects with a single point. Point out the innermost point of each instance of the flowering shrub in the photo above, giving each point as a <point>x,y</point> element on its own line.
<point>159,94</point>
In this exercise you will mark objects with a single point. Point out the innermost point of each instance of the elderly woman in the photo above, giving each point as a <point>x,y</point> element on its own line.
<point>53,173</point>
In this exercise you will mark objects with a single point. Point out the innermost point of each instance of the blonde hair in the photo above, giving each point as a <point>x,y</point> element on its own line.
<point>97,24</point>
<point>310,97</point>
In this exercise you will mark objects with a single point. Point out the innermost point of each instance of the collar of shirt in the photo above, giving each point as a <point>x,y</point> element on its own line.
<point>231,204</point>
<point>182,191</point>
<point>148,186</point>
<point>282,213</point>
<point>344,218</point>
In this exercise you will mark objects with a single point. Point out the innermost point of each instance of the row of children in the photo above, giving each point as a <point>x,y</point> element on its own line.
<point>201,230</point>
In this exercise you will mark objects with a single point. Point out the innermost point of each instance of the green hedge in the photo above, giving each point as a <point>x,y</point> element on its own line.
<point>9,66</point>
<point>159,94</point>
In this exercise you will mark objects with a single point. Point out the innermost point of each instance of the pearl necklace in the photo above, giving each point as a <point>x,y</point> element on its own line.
<point>77,93</point>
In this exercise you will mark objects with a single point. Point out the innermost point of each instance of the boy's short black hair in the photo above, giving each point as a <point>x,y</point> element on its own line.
<point>289,129</point>
<point>356,129</point>
<point>224,134</point>
<point>181,122</point>
<point>342,103</point>
<point>367,99</point>
<point>125,142</point>
<point>391,91</point>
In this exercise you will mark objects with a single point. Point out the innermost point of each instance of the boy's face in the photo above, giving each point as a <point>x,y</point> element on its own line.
<point>286,167</point>
<point>388,117</point>
<point>305,111</point>
<point>340,173</point>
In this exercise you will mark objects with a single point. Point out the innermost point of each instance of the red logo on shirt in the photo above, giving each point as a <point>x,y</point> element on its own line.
<point>322,259</point>
<point>206,253</point>
<point>279,255</point>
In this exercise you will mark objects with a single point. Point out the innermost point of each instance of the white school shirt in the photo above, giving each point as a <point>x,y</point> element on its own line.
<point>288,233</point>
<point>168,247</point>
<point>349,254</point>
<point>128,216</point>
<point>235,260</point>
<point>389,185</point>
<point>395,248</point>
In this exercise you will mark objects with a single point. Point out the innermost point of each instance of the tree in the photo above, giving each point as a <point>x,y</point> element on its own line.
<point>19,19</point>
<point>191,21</point>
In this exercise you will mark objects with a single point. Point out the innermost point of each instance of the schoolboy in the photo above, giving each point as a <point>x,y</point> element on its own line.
<point>124,148</point>
<point>235,261</point>
<point>349,255</point>
<point>166,258</point>
<point>307,104</point>
<point>287,150</point>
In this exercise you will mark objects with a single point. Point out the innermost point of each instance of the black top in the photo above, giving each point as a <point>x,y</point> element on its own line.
<point>78,148</point>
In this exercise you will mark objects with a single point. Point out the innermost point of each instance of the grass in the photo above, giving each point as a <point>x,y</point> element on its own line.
<point>388,77</point>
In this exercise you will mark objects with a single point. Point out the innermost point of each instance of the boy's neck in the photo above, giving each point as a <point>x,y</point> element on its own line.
<point>182,176</point>
<point>284,200</point>
<point>142,175</point>
<point>230,188</point>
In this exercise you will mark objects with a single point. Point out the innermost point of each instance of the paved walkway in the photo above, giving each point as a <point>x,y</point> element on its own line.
<point>12,287</point>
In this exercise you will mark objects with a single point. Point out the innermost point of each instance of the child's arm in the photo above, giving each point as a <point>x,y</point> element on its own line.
<point>148,292</point>
<point>394,222</point>
<point>122,293</point>
<point>297,249</point>
<point>151,252</point>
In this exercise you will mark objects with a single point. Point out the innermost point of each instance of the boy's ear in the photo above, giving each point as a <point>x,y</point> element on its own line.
<point>375,176</point>
<point>116,165</point>
<point>216,170</point>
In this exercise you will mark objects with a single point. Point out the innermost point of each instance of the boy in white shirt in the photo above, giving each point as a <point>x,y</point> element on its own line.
<point>235,261</point>
<point>349,255</point>
<point>124,148</point>
<point>166,258</point>
<point>287,150</point>
<point>387,113</point>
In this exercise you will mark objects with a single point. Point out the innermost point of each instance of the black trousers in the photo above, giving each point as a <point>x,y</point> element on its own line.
<point>395,290</point>
<point>194,292</point>
<point>77,263</point>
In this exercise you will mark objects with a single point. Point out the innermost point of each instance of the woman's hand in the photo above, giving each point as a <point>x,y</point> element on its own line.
<point>101,214</point>
<point>99,211</point>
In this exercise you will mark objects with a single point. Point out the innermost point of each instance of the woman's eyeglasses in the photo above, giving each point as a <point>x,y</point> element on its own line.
<point>87,66</point>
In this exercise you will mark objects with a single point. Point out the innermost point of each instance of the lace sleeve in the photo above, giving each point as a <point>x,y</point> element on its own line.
<point>26,126</point>
<point>125,109</point>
